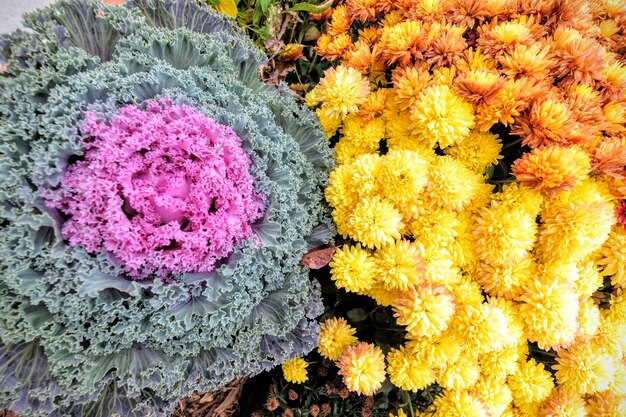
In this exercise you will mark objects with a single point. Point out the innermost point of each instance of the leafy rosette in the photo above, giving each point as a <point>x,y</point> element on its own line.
<point>157,199</point>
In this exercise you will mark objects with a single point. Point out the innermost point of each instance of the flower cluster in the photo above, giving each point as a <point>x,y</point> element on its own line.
<point>492,276</point>
<point>157,200</point>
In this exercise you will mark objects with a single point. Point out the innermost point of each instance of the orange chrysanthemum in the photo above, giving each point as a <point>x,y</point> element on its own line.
<point>447,47</point>
<point>340,21</point>
<point>609,157</point>
<point>404,42</point>
<point>408,83</point>
<point>479,85</point>
<point>552,168</point>
<point>548,122</point>
<point>533,61</point>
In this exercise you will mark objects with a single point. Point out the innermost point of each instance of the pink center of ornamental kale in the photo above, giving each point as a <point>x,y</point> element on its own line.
<point>165,190</point>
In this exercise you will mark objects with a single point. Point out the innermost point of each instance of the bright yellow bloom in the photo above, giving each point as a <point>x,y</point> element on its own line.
<point>460,374</point>
<point>365,169</point>
<point>438,352</point>
<point>435,229</point>
<point>516,195</point>
<point>503,235</point>
<point>588,318</point>
<point>574,231</point>
<point>552,168</point>
<point>347,152</point>
<point>340,191</point>
<point>442,117</point>
<point>458,404</point>
<point>400,413</point>
<point>363,368</point>
<point>583,369</point>
<point>342,90</point>
<point>336,335</point>
<point>425,310</point>
<point>505,280</point>
<point>329,120</point>
<point>353,268</point>
<point>399,265</point>
<point>532,383</point>
<point>363,133</point>
<point>498,364</point>
<point>382,294</point>
<point>294,370</point>
<point>375,222</point>
<point>403,175</point>
<point>407,372</point>
<point>613,257</point>
<point>483,327</point>
<point>477,151</point>
<point>451,184</point>
<point>494,392</point>
<point>549,308</point>
<point>589,278</point>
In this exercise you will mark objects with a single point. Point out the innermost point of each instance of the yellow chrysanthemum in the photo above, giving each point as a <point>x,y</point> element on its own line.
<point>346,151</point>
<point>505,280</point>
<point>353,268</point>
<point>589,278</point>
<point>531,383</point>
<point>460,374</point>
<point>329,120</point>
<point>466,292</point>
<point>294,370</point>
<point>583,369</point>
<point>363,133</point>
<point>435,229</point>
<point>336,335</point>
<point>563,403</point>
<point>477,151</point>
<point>375,222</point>
<point>458,404</point>
<point>483,327</point>
<point>399,265</point>
<point>552,168</point>
<point>382,294</point>
<point>451,184</point>
<point>400,413</point>
<point>588,318</point>
<point>494,392</point>
<point>342,90</point>
<point>442,116</point>
<point>613,257</point>
<point>499,364</point>
<point>574,231</point>
<point>408,373</point>
<point>365,170</point>
<point>340,191</point>
<point>503,235</point>
<point>611,336</point>
<point>516,195</point>
<point>425,310</point>
<point>549,308</point>
<point>363,368</point>
<point>618,385</point>
<point>439,351</point>
<point>403,175</point>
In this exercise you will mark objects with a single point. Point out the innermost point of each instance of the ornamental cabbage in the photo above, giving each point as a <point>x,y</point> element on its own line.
<point>156,200</point>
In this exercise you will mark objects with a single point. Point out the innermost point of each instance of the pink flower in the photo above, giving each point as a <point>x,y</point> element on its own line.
<point>165,190</point>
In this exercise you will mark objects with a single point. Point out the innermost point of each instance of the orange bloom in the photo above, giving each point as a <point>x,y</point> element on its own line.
<point>333,47</point>
<point>580,60</point>
<point>340,21</point>
<point>534,61</point>
<point>470,13</point>
<point>364,10</point>
<point>503,37</point>
<point>374,104</point>
<point>549,122</point>
<point>408,83</point>
<point>480,85</point>
<point>447,47</point>
<point>403,43</point>
<point>609,157</point>
<point>552,168</point>
<point>358,57</point>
